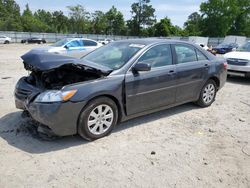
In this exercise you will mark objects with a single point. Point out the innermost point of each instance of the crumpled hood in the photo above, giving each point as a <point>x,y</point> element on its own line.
<point>43,61</point>
<point>238,55</point>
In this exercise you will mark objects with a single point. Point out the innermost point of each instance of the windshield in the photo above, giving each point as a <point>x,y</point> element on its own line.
<point>223,46</point>
<point>114,55</point>
<point>232,45</point>
<point>60,43</point>
<point>245,47</point>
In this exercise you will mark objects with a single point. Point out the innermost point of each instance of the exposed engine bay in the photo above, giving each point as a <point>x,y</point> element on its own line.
<point>51,71</point>
<point>59,77</point>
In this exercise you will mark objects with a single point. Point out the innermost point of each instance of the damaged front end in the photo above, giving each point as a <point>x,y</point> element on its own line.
<point>49,74</point>
<point>51,71</point>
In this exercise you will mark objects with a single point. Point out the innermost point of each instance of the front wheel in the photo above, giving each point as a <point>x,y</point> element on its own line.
<point>207,94</point>
<point>98,119</point>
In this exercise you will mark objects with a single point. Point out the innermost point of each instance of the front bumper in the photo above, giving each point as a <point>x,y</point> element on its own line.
<point>60,117</point>
<point>235,70</point>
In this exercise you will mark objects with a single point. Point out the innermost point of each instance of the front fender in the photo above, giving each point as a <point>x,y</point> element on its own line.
<point>111,85</point>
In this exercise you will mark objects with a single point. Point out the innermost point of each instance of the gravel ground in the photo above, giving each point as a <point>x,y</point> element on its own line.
<point>185,146</point>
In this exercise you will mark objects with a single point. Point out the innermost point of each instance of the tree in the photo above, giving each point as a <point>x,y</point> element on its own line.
<point>240,25</point>
<point>46,18</point>
<point>79,18</point>
<point>59,22</point>
<point>115,22</point>
<point>192,25</point>
<point>217,16</point>
<point>165,28</point>
<point>142,16</point>
<point>30,23</point>
<point>10,16</point>
<point>99,22</point>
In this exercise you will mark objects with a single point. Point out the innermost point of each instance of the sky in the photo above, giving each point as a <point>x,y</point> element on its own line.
<point>177,10</point>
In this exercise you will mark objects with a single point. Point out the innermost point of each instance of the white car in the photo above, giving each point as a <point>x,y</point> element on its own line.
<point>204,46</point>
<point>105,41</point>
<point>74,47</point>
<point>5,40</point>
<point>239,61</point>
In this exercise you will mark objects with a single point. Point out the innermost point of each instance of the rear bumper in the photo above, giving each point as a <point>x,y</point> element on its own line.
<point>60,117</point>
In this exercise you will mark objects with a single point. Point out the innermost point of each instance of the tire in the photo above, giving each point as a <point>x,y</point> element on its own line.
<point>207,94</point>
<point>6,42</point>
<point>92,124</point>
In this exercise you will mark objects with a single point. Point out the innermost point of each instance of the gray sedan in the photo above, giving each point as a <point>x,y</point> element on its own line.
<point>114,83</point>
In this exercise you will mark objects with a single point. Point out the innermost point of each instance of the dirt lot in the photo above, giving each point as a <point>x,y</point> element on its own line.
<point>181,147</point>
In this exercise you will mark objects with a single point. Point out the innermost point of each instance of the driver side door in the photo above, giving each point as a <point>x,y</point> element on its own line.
<point>155,88</point>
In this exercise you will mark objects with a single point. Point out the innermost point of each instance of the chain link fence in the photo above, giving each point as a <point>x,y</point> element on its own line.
<point>53,37</point>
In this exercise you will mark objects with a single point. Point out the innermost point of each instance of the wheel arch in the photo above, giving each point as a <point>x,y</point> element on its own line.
<point>216,80</point>
<point>113,98</point>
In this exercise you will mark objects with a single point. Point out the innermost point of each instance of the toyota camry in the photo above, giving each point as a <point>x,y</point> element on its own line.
<point>114,83</point>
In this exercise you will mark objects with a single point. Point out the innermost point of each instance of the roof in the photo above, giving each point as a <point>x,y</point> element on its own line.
<point>149,41</point>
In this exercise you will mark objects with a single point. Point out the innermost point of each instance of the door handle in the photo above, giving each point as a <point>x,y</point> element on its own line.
<point>171,72</point>
<point>206,66</point>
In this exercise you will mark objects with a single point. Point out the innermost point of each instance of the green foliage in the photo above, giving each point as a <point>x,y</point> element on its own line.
<point>115,22</point>
<point>217,18</point>
<point>193,24</point>
<point>78,19</point>
<point>165,28</point>
<point>10,16</point>
<point>98,22</point>
<point>222,17</point>
<point>142,16</point>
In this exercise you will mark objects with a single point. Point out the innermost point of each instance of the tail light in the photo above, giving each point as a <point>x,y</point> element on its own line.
<point>225,65</point>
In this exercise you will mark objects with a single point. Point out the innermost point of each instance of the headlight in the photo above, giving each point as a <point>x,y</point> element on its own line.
<point>55,96</point>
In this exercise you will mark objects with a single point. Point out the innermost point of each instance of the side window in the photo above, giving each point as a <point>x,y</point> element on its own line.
<point>158,56</point>
<point>185,53</point>
<point>200,56</point>
<point>74,43</point>
<point>89,43</point>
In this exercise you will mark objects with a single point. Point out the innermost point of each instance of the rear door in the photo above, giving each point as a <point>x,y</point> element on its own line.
<point>192,69</point>
<point>152,89</point>
<point>89,46</point>
<point>74,48</point>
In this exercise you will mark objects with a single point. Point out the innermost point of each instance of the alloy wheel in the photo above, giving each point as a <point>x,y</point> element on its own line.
<point>100,119</point>
<point>208,93</point>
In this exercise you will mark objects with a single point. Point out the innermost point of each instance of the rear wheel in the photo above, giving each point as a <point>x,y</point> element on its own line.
<point>208,94</point>
<point>6,42</point>
<point>98,119</point>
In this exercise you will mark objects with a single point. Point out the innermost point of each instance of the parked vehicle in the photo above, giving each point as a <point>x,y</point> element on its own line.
<point>5,40</point>
<point>201,41</point>
<point>105,41</point>
<point>34,40</point>
<point>239,61</point>
<point>74,47</point>
<point>119,81</point>
<point>225,48</point>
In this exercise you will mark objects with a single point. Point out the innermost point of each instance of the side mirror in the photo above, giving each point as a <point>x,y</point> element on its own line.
<point>142,67</point>
<point>66,47</point>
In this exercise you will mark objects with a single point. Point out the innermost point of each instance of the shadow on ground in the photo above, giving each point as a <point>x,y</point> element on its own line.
<point>19,131</point>
<point>238,80</point>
